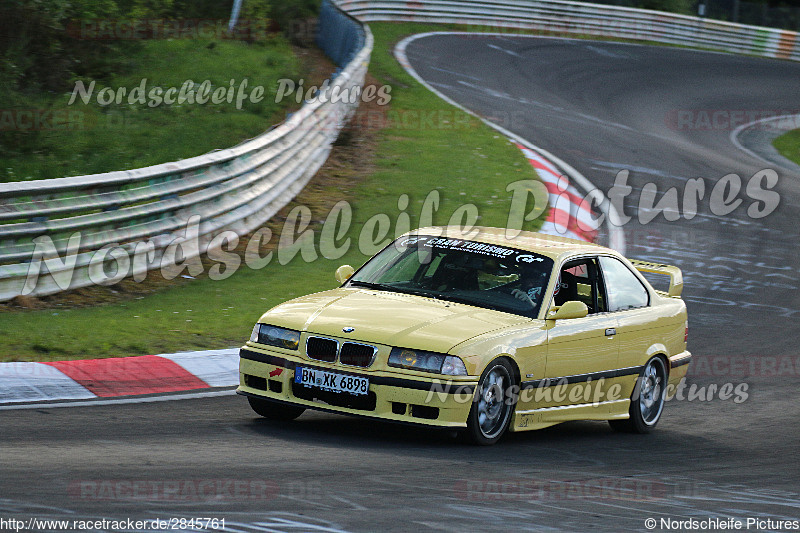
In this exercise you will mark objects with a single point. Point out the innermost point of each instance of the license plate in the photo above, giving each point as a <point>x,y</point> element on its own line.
<point>331,381</point>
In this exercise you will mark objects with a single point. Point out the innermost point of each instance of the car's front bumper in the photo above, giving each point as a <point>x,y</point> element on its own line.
<point>392,396</point>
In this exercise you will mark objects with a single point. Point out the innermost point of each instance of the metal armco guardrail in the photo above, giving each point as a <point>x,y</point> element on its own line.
<point>139,217</point>
<point>561,16</point>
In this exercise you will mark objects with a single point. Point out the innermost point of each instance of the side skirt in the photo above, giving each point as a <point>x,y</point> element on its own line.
<point>547,416</point>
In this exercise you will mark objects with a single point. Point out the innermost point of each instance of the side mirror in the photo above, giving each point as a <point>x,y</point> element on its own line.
<point>344,272</point>
<point>571,309</point>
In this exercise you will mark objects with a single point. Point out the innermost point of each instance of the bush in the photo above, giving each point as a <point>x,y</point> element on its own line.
<point>42,50</point>
<point>39,52</point>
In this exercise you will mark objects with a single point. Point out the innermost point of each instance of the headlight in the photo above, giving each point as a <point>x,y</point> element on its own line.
<point>439,363</point>
<point>275,336</point>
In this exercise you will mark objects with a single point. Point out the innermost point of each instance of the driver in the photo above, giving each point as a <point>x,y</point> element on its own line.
<point>530,287</point>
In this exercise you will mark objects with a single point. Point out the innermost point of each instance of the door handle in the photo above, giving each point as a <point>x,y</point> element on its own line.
<point>611,332</point>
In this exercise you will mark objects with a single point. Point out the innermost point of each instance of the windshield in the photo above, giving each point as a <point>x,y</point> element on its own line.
<point>469,272</point>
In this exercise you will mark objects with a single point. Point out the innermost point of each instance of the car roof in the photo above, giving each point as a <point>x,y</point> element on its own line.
<point>552,246</point>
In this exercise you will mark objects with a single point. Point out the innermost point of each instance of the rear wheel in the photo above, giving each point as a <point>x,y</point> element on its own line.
<point>273,410</point>
<point>647,401</point>
<point>492,405</point>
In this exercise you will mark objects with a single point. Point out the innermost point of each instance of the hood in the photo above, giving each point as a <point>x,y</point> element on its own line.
<point>393,319</point>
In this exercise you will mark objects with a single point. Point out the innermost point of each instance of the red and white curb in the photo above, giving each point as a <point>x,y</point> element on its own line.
<point>91,379</point>
<point>569,215</point>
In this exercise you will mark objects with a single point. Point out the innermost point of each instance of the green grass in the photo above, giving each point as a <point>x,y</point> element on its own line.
<point>88,138</point>
<point>466,164</point>
<point>788,145</point>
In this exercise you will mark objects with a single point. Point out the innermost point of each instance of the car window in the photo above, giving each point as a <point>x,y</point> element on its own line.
<point>474,273</point>
<point>624,289</point>
<point>579,280</point>
<point>405,267</point>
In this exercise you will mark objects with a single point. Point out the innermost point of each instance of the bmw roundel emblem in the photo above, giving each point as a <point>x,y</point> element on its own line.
<point>348,329</point>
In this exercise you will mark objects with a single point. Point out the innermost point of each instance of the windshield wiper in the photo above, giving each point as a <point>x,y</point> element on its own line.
<point>392,288</point>
<point>460,300</point>
<point>368,285</point>
<point>419,292</point>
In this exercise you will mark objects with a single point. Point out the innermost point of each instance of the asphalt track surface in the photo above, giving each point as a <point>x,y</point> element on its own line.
<point>601,107</point>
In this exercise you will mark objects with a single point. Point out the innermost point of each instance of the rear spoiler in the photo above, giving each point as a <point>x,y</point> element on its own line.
<point>674,273</point>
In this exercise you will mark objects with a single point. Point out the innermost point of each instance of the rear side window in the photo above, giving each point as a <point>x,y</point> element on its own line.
<point>623,288</point>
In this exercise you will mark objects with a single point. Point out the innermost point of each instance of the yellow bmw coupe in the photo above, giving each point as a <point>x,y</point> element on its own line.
<point>483,334</point>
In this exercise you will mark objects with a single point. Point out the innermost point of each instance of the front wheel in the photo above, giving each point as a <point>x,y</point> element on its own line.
<point>274,410</point>
<point>647,401</point>
<point>492,405</point>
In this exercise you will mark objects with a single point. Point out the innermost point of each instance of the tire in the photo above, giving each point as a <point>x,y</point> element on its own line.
<point>492,404</point>
<point>274,410</point>
<point>647,400</point>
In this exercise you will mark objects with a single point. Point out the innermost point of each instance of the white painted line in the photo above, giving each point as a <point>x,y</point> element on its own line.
<point>501,49</point>
<point>734,136</point>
